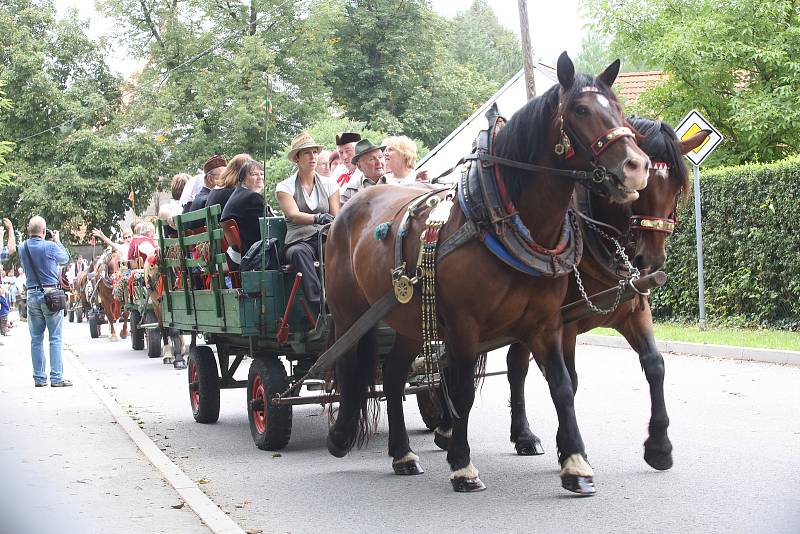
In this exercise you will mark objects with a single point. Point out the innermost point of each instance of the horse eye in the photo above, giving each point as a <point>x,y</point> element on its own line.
<point>581,110</point>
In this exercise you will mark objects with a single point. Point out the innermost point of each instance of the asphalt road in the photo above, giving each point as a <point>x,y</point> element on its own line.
<point>735,431</point>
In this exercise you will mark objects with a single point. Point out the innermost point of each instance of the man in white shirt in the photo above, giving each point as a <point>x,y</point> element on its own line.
<point>192,187</point>
<point>346,170</point>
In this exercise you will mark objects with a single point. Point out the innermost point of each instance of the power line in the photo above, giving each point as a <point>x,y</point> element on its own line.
<point>164,76</point>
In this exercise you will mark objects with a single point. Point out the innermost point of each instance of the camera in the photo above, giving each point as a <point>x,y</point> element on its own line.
<point>50,234</point>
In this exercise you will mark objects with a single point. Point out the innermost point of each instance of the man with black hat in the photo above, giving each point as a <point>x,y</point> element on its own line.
<point>211,169</point>
<point>346,170</point>
<point>369,160</point>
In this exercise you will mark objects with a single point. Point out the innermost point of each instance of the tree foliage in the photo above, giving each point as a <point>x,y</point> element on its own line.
<point>71,164</point>
<point>737,61</point>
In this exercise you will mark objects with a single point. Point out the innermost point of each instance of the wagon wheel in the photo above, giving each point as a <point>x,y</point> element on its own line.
<point>137,333</point>
<point>203,384</point>
<point>270,425</point>
<point>429,409</point>
<point>153,337</point>
<point>94,327</point>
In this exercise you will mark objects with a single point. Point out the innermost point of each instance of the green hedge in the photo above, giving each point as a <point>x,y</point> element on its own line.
<point>751,238</point>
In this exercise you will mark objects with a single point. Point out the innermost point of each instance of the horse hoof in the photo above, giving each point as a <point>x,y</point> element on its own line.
<point>467,485</point>
<point>529,447</point>
<point>442,441</point>
<point>335,449</point>
<point>124,336</point>
<point>658,460</point>
<point>168,361</point>
<point>179,364</point>
<point>577,484</point>
<point>408,468</point>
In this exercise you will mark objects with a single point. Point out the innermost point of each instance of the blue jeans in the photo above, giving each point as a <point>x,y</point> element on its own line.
<point>39,318</point>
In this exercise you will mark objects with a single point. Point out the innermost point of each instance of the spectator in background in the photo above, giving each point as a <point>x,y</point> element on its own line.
<point>323,167</point>
<point>41,259</point>
<point>401,159</point>
<point>227,182</point>
<point>11,246</point>
<point>5,309</point>
<point>333,161</point>
<point>21,295</point>
<point>346,170</point>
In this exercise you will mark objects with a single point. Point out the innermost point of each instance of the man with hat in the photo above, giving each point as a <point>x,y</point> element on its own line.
<point>211,170</point>
<point>346,170</point>
<point>369,160</point>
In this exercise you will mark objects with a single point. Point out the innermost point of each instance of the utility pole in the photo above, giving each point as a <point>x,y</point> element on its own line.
<point>527,49</point>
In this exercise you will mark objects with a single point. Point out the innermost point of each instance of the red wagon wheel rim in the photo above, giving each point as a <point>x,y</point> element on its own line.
<point>259,399</point>
<point>194,389</point>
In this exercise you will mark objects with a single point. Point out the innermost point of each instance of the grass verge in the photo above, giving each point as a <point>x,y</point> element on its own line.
<point>738,337</point>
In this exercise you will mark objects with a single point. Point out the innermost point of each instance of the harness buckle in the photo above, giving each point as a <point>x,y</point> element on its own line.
<point>599,175</point>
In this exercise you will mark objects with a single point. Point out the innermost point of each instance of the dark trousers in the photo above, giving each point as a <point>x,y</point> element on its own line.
<point>4,324</point>
<point>301,256</point>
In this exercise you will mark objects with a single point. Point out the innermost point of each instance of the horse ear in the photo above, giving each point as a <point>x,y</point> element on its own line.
<point>610,74</point>
<point>565,70</point>
<point>687,145</point>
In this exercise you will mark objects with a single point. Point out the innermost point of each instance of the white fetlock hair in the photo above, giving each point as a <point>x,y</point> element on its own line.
<point>167,351</point>
<point>468,472</point>
<point>409,457</point>
<point>577,465</point>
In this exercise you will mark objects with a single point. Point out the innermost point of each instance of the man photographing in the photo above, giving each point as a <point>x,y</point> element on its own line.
<point>40,259</point>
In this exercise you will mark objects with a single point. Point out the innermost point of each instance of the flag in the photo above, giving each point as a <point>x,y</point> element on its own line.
<point>267,105</point>
<point>131,196</point>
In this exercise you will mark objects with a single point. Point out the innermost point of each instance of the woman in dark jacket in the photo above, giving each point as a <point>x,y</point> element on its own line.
<point>247,204</point>
<point>227,181</point>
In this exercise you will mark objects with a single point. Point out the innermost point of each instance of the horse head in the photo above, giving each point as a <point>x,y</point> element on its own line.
<point>592,133</point>
<point>654,213</point>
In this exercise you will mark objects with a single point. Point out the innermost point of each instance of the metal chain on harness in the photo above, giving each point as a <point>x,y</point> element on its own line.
<point>632,271</point>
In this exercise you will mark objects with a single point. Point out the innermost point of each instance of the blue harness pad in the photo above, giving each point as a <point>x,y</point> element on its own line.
<point>496,247</point>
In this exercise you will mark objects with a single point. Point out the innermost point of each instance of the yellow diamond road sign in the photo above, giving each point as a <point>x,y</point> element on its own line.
<point>692,124</point>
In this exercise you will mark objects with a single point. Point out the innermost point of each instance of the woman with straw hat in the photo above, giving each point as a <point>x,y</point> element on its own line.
<point>309,203</point>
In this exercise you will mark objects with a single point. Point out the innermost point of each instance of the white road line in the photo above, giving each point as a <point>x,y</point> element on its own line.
<point>217,520</point>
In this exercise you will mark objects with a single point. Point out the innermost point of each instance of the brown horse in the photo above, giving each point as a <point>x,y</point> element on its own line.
<point>171,353</point>
<point>478,296</point>
<point>107,274</point>
<point>644,226</point>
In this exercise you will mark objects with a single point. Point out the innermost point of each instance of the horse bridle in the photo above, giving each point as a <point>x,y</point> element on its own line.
<point>647,223</point>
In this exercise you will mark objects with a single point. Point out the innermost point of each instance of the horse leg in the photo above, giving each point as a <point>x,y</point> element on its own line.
<point>525,442</point>
<point>444,431</point>
<point>638,330</point>
<point>354,376</point>
<point>177,343</point>
<point>112,319</point>
<point>576,473</point>
<point>124,333</point>
<point>166,349</point>
<point>395,373</point>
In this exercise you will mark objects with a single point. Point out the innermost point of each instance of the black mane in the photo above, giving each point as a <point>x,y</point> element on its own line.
<point>660,142</point>
<point>525,136</point>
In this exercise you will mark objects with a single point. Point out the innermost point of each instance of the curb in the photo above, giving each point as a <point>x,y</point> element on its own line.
<point>214,518</point>
<point>729,352</point>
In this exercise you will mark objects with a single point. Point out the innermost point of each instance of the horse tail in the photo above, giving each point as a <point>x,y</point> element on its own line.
<point>480,369</point>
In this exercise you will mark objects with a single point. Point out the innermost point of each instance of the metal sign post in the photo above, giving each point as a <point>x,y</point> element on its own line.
<point>698,230</point>
<point>690,125</point>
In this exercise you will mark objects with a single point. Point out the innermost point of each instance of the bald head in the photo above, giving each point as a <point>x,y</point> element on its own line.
<point>37,226</point>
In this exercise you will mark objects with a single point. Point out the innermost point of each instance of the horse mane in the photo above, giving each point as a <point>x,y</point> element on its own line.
<point>524,137</point>
<point>660,142</point>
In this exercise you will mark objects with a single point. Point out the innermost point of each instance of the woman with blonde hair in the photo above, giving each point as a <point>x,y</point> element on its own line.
<point>400,157</point>
<point>227,181</point>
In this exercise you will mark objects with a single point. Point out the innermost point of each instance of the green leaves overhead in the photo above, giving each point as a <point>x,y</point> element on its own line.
<point>738,62</point>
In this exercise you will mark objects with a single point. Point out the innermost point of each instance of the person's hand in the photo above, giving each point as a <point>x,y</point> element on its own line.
<point>56,236</point>
<point>96,232</point>
<point>422,176</point>
<point>8,225</point>
<point>323,218</point>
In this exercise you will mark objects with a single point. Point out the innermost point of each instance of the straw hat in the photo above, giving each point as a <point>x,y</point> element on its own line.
<point>301,141</point>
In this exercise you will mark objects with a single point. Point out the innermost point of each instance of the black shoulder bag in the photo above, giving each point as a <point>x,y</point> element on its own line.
<point>55,299</point>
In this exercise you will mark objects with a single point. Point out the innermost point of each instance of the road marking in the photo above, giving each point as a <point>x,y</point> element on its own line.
<point>211,514</point>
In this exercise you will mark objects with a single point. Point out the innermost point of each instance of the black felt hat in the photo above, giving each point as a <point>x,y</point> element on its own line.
<point>347,137</point>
